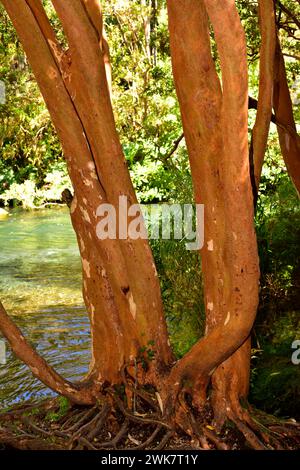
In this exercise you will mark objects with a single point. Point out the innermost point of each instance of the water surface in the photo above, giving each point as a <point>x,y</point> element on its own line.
<point>40,286</point>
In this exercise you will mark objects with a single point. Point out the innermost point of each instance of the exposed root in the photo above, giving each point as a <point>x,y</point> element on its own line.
<point>118,437</point>
<point>165,440</point>
<point>113,424</point>
<point>250,436</point>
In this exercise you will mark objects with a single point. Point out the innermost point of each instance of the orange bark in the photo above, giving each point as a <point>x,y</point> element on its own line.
<point>216,126</point>
<point>283,108</point>
<point>266,85</point>
<point>120,284</point>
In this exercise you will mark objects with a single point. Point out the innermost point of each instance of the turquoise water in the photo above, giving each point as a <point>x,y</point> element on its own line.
<point>40,286</point>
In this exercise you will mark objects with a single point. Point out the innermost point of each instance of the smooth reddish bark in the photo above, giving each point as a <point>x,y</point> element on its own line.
<point>266,85</point>
<point>216,128</point>
<point>283,108</point>
<point>120,284</point>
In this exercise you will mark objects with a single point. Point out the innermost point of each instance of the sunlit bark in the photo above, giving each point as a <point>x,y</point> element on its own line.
<point>120,284</point>
<point>216,128</point>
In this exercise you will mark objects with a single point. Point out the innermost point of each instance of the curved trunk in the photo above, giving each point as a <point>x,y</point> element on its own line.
<point>215,127</point>
<point>231,380</point>
<point>121,289</point>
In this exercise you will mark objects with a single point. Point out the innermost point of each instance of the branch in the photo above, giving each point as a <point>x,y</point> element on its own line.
<point>297,57</point>
<point>289,13</point>
<point>176,144</point>
<point>253,103</point>
<point>94,13</point>
<point>39,367</point>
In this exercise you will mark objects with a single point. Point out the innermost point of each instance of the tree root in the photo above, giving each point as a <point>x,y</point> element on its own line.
<point>114,425</point>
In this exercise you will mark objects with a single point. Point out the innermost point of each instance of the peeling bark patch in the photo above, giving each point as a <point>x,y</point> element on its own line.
<point>155,270</point>
<point>73,205</point>
<point>52,73</point>
<point>87,182</point>
<point>81,243</point>
<point>210,245</point>
<point>86,267</point>
<point>132,306</point>
<point>85,215</point>
<point>35,371</point>
<point>287,141</point>
<point>234,235</point>
<point>227,319</point>
<point>92,309</point>
<point>91,166</point>
<point>210,306</point>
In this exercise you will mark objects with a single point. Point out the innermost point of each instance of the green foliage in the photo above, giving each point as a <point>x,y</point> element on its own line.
<point>28,142</point>
<point>276,387</point>
<point>181,284</point>
<point>30,196</point>
<point>63,408</point>
<point>278,220</point>
<point>146,354</point>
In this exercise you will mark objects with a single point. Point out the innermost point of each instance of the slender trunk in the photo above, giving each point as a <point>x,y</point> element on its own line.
<point>283,108</point>
<point>266,86</point>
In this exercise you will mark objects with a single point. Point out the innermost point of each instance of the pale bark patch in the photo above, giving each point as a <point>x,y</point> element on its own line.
<point>86,267</point>
<point>132,306</point>
<point>81,243</point>
<point>287,141</point>
<point>227,319</point>
<point>35,370</point>
<point>91,166</point>
<point>52,73</point>
<point>87,182</point>
<point>85,215</point>
<point>73,205</point>
<point>210,245</point>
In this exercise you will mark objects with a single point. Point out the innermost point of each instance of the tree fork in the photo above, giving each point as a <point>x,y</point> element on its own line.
<point>129,313</point>
<point>215,127</point>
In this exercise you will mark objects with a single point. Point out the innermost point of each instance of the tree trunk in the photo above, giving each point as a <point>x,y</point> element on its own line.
<point>266,85</point>
<point>120,285</point>
<point>283,108</point>
<point>215,126</point>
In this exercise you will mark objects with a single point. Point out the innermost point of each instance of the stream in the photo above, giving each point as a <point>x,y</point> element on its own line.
<point>40,287</point>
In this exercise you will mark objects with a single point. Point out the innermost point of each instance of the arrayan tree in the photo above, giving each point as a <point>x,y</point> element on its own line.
<point>130,345</point>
